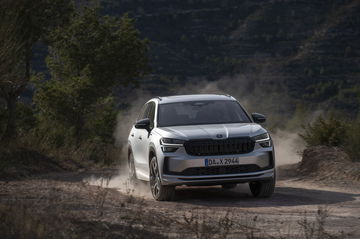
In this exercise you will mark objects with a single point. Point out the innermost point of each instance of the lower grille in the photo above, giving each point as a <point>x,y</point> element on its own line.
<point>218,170</point>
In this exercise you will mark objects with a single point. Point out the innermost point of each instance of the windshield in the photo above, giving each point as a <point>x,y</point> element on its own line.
<point>201,112</point>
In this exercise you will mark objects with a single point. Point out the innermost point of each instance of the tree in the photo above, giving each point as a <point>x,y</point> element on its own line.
<point>88,59</point>
<point>12,42</point>
<point>22,24</point>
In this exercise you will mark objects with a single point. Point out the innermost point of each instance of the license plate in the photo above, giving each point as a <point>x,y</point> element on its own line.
<point>221,162</point>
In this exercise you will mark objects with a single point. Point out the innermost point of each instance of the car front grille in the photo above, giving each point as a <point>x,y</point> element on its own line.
<point>219,170</point>
<point>219,147</point>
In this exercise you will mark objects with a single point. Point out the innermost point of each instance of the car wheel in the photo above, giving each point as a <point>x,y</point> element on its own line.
<point>131,169</point>
<point>262,189</point>
<point>229,186</point>
<point>159,192</point>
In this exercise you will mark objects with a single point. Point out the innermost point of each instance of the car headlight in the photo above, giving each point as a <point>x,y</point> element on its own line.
<point>263,139</point>
<point>168,141</point>
<point>170,145</point>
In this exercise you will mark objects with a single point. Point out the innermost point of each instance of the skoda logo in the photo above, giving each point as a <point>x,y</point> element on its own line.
<point>219,136</point>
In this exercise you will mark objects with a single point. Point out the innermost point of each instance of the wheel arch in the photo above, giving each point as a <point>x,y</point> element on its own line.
<point>152,152</point>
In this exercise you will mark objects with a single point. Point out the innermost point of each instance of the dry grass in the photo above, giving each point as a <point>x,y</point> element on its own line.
<point>75,210</point>
<point>19,222</point>
<point>329,164</point>
<point>203,226</point>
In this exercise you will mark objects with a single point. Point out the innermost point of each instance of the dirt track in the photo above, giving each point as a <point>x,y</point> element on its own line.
<point>283,214</point>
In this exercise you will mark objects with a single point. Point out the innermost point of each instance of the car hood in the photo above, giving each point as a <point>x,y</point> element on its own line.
<point>211,131</point>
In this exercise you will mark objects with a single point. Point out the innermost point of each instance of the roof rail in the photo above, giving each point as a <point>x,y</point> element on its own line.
<point>159,97</point>
<point>228,95</point>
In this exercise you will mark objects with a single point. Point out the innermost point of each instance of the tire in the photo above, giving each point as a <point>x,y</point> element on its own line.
<point>229,186</point>
<point>132,170</point>
<point>159,191</point>
<point>262,189</point>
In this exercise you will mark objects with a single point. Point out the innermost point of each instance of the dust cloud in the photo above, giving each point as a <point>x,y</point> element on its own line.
<point>288,147</point>
<point>121,183</point>
<point>125,121</point>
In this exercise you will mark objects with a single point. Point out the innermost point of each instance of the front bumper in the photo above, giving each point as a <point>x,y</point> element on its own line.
<point>217,179</point>
<point>183,169</point>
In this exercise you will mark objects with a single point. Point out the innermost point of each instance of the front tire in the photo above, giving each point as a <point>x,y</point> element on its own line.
<point>262,189</point>
<point>159,191</point>
<point>131,169</point>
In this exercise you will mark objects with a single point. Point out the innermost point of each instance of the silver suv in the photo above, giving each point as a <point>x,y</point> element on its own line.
<point>200,140</point>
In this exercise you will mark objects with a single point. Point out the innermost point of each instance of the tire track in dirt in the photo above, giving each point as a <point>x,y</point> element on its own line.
<point>117,204</point>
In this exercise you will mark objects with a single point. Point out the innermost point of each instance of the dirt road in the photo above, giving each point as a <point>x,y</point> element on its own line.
<point>298,207</point>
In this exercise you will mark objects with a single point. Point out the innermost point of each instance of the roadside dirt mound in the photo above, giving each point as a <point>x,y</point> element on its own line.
<point>328,163</point>
<point>17,161</point>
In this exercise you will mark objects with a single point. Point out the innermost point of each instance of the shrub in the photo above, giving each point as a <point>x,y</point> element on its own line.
<point>330,132</point>
<point>25,116</point>
<point>352,144</point>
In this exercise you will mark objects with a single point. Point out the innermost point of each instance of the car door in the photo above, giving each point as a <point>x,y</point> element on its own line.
<point>145,138</point>
<point>141,147</point>
<point>136,146</point>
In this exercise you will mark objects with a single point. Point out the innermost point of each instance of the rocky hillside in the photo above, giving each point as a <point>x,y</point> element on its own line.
<point>311,45</point>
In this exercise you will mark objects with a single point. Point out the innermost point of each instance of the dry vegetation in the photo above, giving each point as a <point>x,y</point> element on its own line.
<point>60,208</point>
<point>329,164</point>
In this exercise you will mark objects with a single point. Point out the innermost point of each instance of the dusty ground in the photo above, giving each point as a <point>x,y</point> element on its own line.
<point>299,208</point>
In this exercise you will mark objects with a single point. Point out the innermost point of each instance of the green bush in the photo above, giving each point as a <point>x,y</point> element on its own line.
<point>101,123</point>
<point>352,144</point>
<point>329,131</point>
<point>334,132</point>
<point>25,116</point>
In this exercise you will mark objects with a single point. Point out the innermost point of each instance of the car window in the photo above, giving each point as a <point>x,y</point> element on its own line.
<point>143,108</point>
<point>151,114</point>
<point>144,112</point>
<point>201,112</point>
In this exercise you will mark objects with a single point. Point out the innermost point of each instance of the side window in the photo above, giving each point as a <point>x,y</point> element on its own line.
<point>151,114</point>
<point>143,112</point>
<point>148,111</point>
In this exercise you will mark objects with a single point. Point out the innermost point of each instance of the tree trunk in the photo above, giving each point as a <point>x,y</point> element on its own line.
<point>10,130</point>
<point>79,126</point>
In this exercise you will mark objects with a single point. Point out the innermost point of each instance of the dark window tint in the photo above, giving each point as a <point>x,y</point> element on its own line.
<point>151,114</point>
<point>142,112</point>
<point>201,112</point>
<point>148,111</point>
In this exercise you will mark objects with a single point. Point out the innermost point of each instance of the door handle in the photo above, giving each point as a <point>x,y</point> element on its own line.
<point>140,137</point>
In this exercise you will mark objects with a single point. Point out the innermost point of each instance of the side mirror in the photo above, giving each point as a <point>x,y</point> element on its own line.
<point>143,124</point>
<point>258,118</point>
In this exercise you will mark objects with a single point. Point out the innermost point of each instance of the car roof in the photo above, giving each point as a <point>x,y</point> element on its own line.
<point>197,97</point>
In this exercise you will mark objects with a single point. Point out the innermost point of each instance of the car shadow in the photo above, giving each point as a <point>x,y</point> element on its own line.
<point>241,197</point>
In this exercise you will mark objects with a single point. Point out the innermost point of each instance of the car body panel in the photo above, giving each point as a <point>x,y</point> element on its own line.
<point>212,131</point>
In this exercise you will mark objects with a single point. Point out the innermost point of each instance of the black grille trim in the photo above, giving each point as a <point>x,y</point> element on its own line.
<point>219,170</point>
<point>219,147</point>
